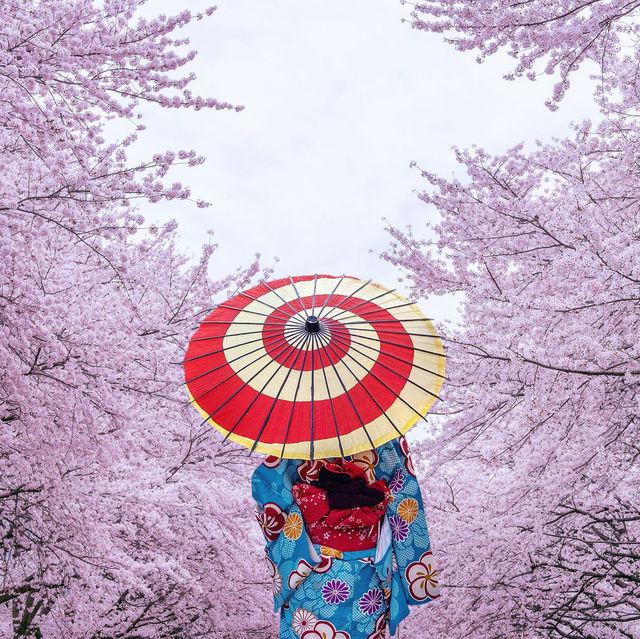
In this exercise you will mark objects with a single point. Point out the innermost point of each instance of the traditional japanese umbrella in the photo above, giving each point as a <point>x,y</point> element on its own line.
<point>314,366</point>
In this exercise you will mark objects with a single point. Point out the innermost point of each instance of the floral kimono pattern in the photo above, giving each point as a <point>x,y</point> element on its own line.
<point>324,593</point>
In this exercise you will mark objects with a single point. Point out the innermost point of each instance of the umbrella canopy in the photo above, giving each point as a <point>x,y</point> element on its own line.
<point>314,366</point>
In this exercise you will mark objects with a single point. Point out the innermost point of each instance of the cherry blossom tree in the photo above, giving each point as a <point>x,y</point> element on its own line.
<point>119,515</point>
<point>555,37</point>
<point>533,480</point>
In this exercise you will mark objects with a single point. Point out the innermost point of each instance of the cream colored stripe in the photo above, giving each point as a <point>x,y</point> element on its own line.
<point>346,369</point>
<point>380,430</point>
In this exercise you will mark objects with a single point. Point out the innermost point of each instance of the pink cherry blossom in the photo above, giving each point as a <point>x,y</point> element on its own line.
<point>533,471</point>
<point>544,38</point>
<point>116,503</point>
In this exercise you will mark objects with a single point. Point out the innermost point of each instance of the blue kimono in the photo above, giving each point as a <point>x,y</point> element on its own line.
<point>324,593</point>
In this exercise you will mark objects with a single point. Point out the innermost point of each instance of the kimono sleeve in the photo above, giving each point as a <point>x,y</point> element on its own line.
<point>290,554</point>
<point>414,576</point>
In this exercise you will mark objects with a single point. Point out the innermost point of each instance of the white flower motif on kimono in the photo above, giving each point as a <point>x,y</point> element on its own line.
<point>371,601</point>
<point>297,576</point>
<point>272,461</point>
<point>277,583</point>
<point>272,567</point>
<point>404,447</point>
<point>397,481</point>
<point>325,630</point>
<point>422,578</point>
<point>309,470</point>
<point>303,619</point>
<point>324,565</point>
<point>367,460</point>
<point>381,627</point>
<point>399,527</point>
<point>271,519</point>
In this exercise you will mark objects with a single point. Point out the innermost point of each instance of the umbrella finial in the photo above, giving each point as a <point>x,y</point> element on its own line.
<point>312,324</point>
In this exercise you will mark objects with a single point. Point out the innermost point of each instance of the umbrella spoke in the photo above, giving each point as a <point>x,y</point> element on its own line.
<point>346,350</point>
<point>227,322</point>
<point>228,348</point>
<point>344,299</point>
<point>282,298</point>
<point>313,301</point>
<point>295,288</point>
<point>335,288</point>
<point>386,321</point>
<point>247,310</point>
<point>277,397</point>
<point>329,316</point>
<point>344,388</point>
<point>372,311</point>
<point>400,359</point>
<point>229,361</point>
<point>292,348</point>
<point>313,374</point>
<point>382,330</point>
<point>295,396</point>
<point>244,385</point>
<point>267,330</point>
<point>366,390</point>
<point>259,299</point>
<point>402,399</point>
<point>333,411</point>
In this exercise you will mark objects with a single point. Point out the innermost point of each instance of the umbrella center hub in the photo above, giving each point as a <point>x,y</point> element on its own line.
<point>312,324</point>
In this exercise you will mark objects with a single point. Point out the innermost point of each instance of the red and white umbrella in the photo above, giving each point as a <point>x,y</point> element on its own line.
<point>315,366</point>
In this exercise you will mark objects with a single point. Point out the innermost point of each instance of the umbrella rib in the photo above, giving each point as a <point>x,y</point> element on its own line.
<point>277,397</point>
<point>244,385</point>
<point>375,297</point>
<point>333,411</point>
<point>344,388</point>
<point>247,310</point>
<point>366,390</point>
<point>338,339</point>
<point>259,393</point>
<point>275,308</point>
<point>344,299</point>
<point>382,330</point>
<point>285,330</point>
<point>255,350</point>
<point>335,288</point>
<point>242,323</point>
<point>228,348</point>
<point>385,341</point>
<point>313,301</point>
<point>295,288</point>
<point>400,359</point>
<point>402,399</point>
<point>385,321</point>
<point>202,339</point>
<point>313,343</point>
<point>369,312</point>
<point>295,396</point>
<point>282,298</point>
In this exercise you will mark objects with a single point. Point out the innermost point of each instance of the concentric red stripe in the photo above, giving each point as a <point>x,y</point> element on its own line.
<point>211,390</point>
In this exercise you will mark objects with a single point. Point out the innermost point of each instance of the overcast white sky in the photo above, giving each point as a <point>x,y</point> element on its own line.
<point>340,96</point>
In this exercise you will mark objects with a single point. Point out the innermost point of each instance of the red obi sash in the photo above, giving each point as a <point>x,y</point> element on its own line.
<point>342,509</point>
